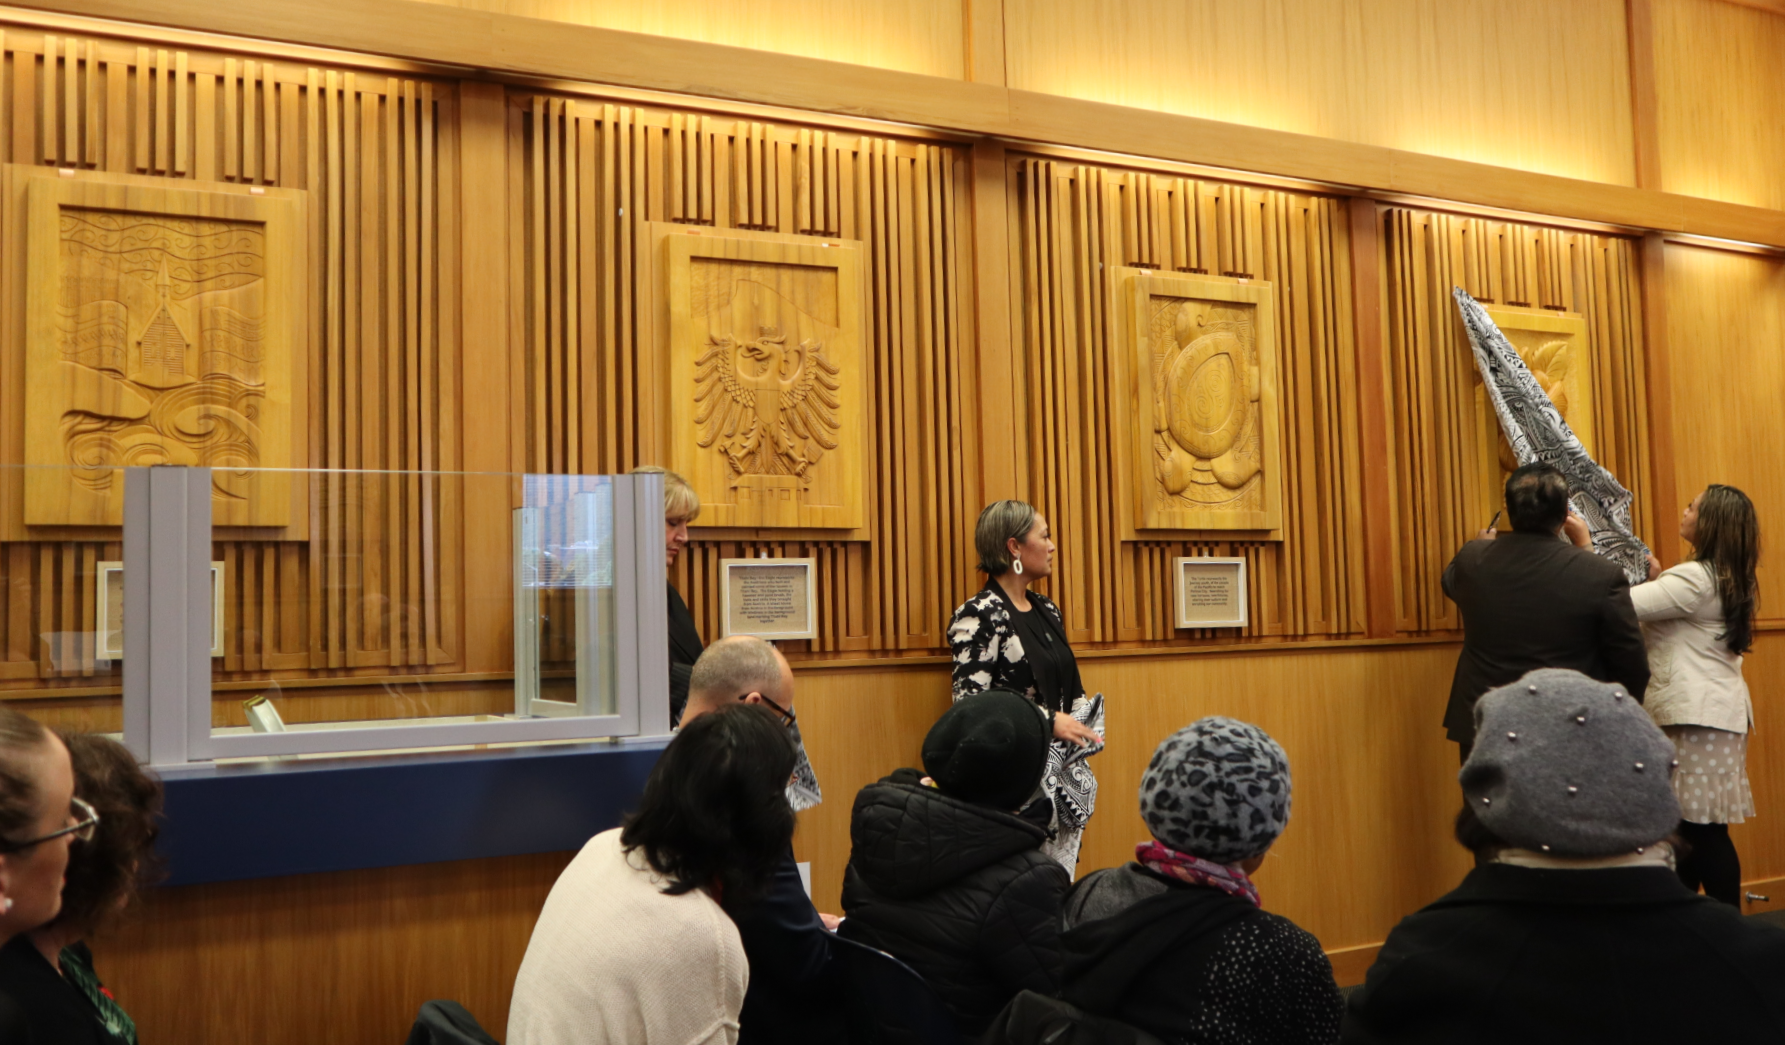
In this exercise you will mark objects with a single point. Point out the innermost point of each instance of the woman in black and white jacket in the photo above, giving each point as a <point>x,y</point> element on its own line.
<point>1008,637</point>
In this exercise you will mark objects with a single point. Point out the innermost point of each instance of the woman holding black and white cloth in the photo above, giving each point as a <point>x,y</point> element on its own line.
<point>1698,620</point>
<point>1008,637</point>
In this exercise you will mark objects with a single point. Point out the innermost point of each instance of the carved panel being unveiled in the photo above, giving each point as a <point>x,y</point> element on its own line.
<point>1554,346</point>
<point>767,378</point>
<point>1206,431</point>
<point>158,332</point>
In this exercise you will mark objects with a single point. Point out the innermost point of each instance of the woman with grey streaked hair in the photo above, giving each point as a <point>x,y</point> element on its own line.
<point>1008,637</point>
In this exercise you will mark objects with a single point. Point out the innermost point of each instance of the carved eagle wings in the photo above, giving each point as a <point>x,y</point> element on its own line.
<point>772,409</point>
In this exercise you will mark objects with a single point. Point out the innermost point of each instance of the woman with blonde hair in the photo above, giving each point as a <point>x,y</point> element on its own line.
<point>1698,620</point>
<point>681,506</point>
<point>1008,637</point>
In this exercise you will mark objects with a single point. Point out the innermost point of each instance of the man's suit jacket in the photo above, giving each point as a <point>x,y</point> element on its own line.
<point>1533,601</point>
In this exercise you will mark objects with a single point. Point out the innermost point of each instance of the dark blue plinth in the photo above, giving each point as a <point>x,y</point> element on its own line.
<point>299,817</point>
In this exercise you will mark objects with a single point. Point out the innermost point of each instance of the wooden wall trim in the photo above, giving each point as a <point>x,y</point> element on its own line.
<point>1373,420</point>
<point>999,459</point>
<point>1652,254</point>
<point>985,40</point>
<point>1639,22</point>
<point>495,44</point>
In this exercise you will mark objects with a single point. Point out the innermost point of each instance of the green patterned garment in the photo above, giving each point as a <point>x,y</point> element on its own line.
<point>77,968</point>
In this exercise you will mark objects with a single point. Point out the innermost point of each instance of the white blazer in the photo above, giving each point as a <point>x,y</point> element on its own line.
<point>1693,678</point>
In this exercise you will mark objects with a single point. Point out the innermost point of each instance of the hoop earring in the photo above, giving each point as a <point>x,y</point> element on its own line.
<point>1016,567</point>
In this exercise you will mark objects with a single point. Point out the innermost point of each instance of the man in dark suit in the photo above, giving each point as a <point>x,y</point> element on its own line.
<point>1531,599</point>
<point>794,981</point>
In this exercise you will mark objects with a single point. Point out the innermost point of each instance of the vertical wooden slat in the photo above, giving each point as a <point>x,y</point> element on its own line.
<point>204,127</point>
<point>71,101</point>
<point>250,113</point>
<point>182,119</point>
<point>117,116</point>
<point>269,122</point>
<point>163,103</point>
<point>140,125</point>
<point>232,121</point>
<point>48,117</point>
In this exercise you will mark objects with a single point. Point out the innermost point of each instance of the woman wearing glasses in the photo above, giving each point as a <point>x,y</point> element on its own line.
<point>52,964</point>
<point>39,819</point>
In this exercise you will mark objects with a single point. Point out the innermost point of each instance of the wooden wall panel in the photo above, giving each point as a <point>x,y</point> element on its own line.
<point>373,586</point>
<point>1439,499</point>
<point>916,36</point>
<point>1075,226</point>
<point>1528,84</point>
<point>1718,99</point>
<point>584,178</point>
<point>1725,323</point>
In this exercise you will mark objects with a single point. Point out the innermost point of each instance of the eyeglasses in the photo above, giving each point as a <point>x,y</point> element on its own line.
<point>85,818</point>
<point>787,718</point>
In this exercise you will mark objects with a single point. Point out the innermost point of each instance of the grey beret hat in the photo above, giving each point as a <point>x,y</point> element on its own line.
<point>1218,789</point>
<point>1571,767</point>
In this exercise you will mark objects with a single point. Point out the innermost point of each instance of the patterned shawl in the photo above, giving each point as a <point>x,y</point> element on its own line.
<point>1537,432</point>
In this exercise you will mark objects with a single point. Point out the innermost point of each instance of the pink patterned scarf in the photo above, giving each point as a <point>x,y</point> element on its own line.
<point>1197,871</point>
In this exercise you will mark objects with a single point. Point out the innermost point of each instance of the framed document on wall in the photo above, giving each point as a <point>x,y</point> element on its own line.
<point>108,605</point>
<point>1211,593</point>
<point>769,598</point>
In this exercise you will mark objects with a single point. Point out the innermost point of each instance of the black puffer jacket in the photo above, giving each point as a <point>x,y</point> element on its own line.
<point>959,892</point>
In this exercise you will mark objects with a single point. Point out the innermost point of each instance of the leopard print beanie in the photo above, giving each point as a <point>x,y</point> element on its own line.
<point>1218,789</point>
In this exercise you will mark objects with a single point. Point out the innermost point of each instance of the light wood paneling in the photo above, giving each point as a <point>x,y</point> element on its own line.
<point>1075,227</point>
<point>373,586</point>
<point>1719,96</point>
<point>1374,781</point>
<point>536,47</point>
<point>595,391</point>
<point>914,36</point>
<point>1440,491</point>
<point>345,957</point>
<point>1529,84</point>
<point>1725,323</point>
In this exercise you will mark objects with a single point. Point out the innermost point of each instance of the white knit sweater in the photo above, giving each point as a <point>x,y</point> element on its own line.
<point>614,960</point>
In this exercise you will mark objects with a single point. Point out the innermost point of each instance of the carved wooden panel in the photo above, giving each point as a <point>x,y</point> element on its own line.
<point>1445,453</point>
<point>1554,347</point>
<point>768,383</point>
<point>161,329</point>
<point>364,579</point>
<point>1078,229</point>
<point>587,181</point>
<point>1205,431</point>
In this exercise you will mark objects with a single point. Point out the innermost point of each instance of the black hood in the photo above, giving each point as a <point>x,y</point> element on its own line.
<point>910,840</point>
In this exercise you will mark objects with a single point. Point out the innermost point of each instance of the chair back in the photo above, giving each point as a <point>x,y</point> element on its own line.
<point>887,1002</point>
<point>447,1023</point>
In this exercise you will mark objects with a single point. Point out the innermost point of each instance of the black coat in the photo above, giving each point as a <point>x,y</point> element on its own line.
<point>684,650</point>
<point>794,978</point>
<point>53,1009</point>
<point>1517,954</point>
<point>1531,601</point>
<point>1189,963</point>
<point>959,892</point>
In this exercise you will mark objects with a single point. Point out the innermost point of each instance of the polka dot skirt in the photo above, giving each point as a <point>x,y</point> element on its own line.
<point>1712,781</point>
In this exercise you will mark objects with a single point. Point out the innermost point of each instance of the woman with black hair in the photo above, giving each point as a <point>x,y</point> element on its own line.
<point>634,942</point>
<point>1698,620</point>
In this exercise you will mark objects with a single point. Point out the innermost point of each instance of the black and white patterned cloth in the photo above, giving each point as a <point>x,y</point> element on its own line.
<point>1218,789</point>
<point>1537,432</point>
<point>988,654</point>
<point>803,791</point>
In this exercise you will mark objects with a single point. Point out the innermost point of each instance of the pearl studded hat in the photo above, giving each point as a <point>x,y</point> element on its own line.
<point>1569,766</point>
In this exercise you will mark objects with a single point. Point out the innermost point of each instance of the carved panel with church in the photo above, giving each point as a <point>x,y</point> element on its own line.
<point>768,378</point>
<point>159,330</point>
<point>1206,430</point>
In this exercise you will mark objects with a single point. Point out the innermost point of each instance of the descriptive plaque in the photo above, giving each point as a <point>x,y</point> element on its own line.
<point>769,598</point>
<point>1211,593</point>
<point>108,602</point>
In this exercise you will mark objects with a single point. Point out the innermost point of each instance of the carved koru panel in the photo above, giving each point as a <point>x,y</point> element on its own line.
<point>1204,357</point>
<point>159,332</point>
<point>1554,347</point>
<point>768,378</point>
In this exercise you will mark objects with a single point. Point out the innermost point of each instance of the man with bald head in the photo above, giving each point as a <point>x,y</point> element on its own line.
<point>792,977</point>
